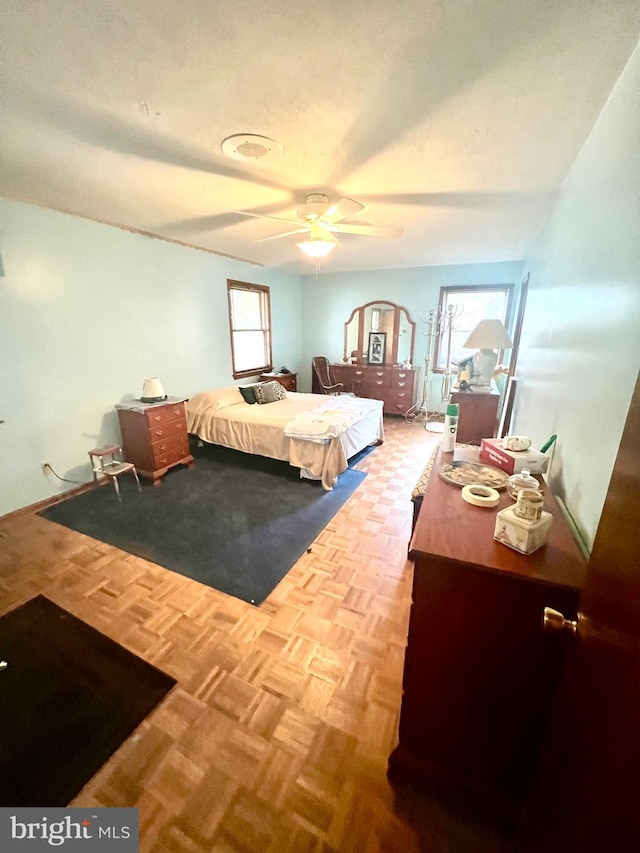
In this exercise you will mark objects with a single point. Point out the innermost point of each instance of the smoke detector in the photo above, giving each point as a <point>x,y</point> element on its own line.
<point>250,146</point>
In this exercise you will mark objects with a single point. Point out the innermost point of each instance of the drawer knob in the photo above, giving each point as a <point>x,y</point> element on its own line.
<point>553,620</point>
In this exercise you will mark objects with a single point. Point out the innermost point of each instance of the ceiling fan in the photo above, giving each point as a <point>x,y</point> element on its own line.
<point>320,220</point>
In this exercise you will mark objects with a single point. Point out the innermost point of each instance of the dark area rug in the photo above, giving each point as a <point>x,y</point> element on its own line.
<point>69,697</point>
<point>233,521</point>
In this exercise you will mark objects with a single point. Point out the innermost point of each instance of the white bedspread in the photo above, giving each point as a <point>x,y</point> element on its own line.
<point>330,418</point>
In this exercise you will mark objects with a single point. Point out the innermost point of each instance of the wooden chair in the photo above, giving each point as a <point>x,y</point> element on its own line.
<point>326,380</point>
<point>108,461</point>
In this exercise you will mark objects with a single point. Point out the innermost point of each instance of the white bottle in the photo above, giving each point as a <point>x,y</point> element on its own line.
<point>450,428</point>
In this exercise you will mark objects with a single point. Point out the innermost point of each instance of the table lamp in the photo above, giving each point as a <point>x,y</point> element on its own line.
<point>487,337</point>
<point>152,391</point>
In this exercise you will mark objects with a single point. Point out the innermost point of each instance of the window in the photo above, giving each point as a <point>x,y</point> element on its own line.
<point>250,324</point>
<point>471,304</point>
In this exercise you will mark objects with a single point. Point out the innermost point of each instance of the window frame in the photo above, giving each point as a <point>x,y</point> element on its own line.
<point>445,299</point>
<point>264,294</point>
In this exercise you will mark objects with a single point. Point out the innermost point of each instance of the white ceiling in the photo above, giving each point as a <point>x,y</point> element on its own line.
<point>455,119</point>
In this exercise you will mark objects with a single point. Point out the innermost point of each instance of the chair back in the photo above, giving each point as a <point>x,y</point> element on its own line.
<point>322,370</point>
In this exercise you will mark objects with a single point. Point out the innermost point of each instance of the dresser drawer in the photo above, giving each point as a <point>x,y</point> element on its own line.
<point>378,377</point>
<point>373,392</point>
<point>401,379</point>
<point>398,403</point>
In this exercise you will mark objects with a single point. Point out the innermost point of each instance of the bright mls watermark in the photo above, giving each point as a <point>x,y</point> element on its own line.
<point>79,829</point>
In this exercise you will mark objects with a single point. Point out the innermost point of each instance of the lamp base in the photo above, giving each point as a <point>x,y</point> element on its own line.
<point>153,399</point>
<point>482,367</point>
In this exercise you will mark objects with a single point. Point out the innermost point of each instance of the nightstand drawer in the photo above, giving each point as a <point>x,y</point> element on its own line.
<point>178,441</point>
<point>160,415</point>
<point>172,457</point>
<point>165,431</point>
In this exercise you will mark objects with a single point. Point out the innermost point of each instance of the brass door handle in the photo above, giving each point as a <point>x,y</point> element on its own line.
<point>553,620</point>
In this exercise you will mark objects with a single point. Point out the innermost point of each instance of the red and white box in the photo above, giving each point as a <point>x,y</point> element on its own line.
<point>512,461</point>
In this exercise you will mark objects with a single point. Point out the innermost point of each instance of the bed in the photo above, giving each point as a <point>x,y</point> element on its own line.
<point>313,432</point>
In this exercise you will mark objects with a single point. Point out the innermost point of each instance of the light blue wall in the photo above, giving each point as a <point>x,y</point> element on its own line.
<point>87,312</point>
<point>327,303</point>
<point>580,350</point>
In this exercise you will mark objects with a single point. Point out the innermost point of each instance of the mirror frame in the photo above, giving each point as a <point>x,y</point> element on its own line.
<point>392,346</point>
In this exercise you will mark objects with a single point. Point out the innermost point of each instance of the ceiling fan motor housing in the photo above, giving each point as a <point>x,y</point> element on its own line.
<point>316,206</point>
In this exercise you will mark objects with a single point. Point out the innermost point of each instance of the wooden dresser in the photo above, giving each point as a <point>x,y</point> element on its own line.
<point>289,381</point>
<point>395,386</point>
<point>480,669</point>
<point>154,436</point>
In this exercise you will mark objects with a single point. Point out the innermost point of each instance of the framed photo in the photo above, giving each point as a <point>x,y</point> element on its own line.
<point>377,347</point>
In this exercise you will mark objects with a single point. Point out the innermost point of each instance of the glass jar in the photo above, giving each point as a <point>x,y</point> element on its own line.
<point>529,504</point>
<point>520,481</point>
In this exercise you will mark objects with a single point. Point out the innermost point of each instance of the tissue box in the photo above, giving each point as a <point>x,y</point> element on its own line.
<point>519,533</point>
<point>512,461</point>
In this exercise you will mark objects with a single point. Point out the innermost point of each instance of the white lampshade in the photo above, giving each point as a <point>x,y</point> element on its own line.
<point>316,248</point>
<point>152,391</point>
<point>489,334</point>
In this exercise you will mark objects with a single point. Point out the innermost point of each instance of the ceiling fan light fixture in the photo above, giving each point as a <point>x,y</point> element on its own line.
<point>251,146</point>
<point>316,247</point>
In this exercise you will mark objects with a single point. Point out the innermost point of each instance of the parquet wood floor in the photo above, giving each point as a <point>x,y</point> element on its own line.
<point>277,735</point>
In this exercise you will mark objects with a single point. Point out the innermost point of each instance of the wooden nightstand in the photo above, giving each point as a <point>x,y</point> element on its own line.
<point>154,436</point>
<point>289,381</point>
<point>478,415</point>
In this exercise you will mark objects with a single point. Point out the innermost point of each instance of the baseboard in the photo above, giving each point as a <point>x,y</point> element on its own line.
<point>40,505</point>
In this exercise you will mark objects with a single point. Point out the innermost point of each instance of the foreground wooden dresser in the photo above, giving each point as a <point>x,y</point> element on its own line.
<point>395,386</point>
<point>480,669</point>
<point>154,436</point>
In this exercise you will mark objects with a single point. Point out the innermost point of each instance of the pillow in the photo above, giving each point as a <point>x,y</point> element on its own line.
<point>269,392</point>
<point>248,392</point>
<point>217,398</point>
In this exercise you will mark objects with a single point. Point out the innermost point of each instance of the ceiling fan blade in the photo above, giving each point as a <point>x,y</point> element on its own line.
<point>367,230</point>
<point>341,209</point>
<point>264,216</point>
<point>278,236</point>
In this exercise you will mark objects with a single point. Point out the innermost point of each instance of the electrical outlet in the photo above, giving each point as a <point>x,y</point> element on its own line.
<point>46,466</point>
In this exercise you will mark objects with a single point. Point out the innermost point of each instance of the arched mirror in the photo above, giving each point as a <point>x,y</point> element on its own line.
<point>384,322</point>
